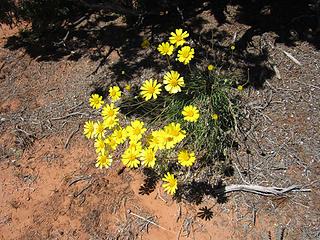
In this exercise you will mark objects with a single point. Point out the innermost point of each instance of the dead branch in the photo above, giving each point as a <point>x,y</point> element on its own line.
<point>69,115</point>
<point>70,136</point>
<point>261,190</point>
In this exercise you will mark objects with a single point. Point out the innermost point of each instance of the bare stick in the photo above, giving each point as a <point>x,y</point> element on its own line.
<point>69,115</point>
<point>261,190</point>
<point>80,178</point>
<point>70,136</point>
<point>147,220</point>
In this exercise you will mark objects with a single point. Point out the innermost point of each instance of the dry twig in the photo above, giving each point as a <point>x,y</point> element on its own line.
<point>70,136</point>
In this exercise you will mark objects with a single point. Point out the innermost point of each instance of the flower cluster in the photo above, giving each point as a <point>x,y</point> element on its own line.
<point>135,143</point>
<point>176,41</point>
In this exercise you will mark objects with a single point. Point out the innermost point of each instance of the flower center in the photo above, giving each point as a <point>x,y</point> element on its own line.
<point>185,54</point>
<point>151,89</point>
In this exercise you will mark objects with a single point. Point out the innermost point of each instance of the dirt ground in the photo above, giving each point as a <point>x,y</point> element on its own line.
<point>50,188</point>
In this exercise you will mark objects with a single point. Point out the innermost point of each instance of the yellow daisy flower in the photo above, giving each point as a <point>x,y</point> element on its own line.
<point>233,47</point>
<point>240,88</point>
<point>96,101</point>
<point>114,93</point>
<point>173,82</point>
<point>165,48</point>
<point>100,146</point>
<point>171,184</point>
<point>190,113</point>
<point>178,37</point>
<point>148,157</point>
<point>215,116</point>
<point>120,135</point>
<point>128,87</point>
<point>110,122</point>
<point>130,158</point>
<point>145,43</point>
<point>211,67</point>
<point>104,160</point>
<point>174,130</point>
<point>155,140</point>
<point>185,54</point>
<point>137,146</point>
<point>150,89</point>
<point>109,111</point>
<point>135,130</point>
<point>111,142</point>
<point>99,129</point>
<point>88,130</point>
<point>186,158</point>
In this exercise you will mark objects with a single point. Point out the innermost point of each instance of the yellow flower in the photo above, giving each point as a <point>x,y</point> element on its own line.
<point>178,37</point>
<point>103,160</point>
<point>114,93</point>
<point>165,48</point>
<point>123,72</point>
<point>233,47</point>
<point>167,140</point>
<point>186,158</point>
<point>100,146</point>
<point>128,87</point>
<point>120,135</point>
<point>109,111</point>
<point>145,43</point>
<point>240,88</point>
<point>190,113</point>
<point>96,101</point>
<point>135,130</point>
<point>173,82</point>
<point>215,116</point>
<point>185,54</point>
<point>111,142</point>
<point>171,184</point>
<point>148,157</point>
<point>150,89</point>
<point>174,130</point>
<point>137,146</point>
<point>99,129</point>
<point>88,130</point>
<point>130,158</point>
<point>110,122</point>
<point>155,140</point>
<point>211,67</point>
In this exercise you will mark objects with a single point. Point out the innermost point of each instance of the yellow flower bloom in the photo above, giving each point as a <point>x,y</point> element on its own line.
<point>178,37</point>
<point>185,54</point>
<point>100,146</point>
<point>114,93</point>
<point>111,142</point>
<point>233,47</point>
<point>150,89</point>
<point>165,48</point>
<point>215,116</point>
<point>99,129</point>
<point>130,158</point>
<point>211,67</point>
<point>148,157</point>
<point>120,135</point>
<point>96,101</point>
<point>110,122</point>
<point>155,140</point>
<point>171,184</point>
<point>190,113</point>
<point>240,88</point>
<point>103,160</point>
<point>109,111</point>
<point>173,82</point>
<point>186,158</point>
<point>88,130</point>
<point>145,43</point>
<point>135,130</point>
<point>174,130</point>
<point>128,87</point>
<point>137,146</point>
